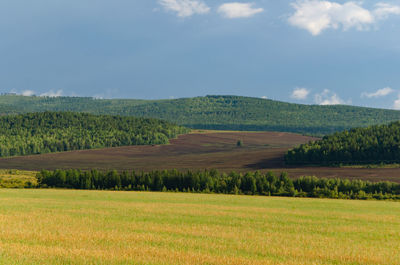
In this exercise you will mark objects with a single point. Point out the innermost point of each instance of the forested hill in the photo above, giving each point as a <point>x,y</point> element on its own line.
<point>372,145</point>
<point>45,132</point>
<point>216,112</point>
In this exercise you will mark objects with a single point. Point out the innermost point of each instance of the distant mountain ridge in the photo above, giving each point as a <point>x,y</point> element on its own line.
<point>215,112</point>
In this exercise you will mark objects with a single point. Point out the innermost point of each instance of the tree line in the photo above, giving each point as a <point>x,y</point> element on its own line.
<point>212,181</point>
<point>371,145</point>
<point>45,132</point>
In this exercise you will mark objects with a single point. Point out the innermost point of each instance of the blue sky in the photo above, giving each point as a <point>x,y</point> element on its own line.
<point>312,52</point>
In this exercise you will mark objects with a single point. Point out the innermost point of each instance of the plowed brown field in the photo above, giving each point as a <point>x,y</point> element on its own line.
<point>261,151</point>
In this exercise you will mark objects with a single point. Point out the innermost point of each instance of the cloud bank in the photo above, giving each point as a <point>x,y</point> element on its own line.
<point>53,94</point>
<point>238,10</point>
<point>316,16</point>
<point>379,93</point>
<point>383,10</point>
<point>300,93</point>
<point>396,104</point>
<point>28,93</point>
<point>328,97</point>
<point>185,8</point>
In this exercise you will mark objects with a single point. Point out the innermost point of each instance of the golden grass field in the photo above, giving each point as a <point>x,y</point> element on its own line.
<point>103,227</point>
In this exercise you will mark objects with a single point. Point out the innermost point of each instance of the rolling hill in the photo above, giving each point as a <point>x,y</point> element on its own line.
<point>215,112</point>
<point>48,132</point>
<point>372,145</point>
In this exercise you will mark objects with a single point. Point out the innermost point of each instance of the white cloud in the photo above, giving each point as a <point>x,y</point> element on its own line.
<point>52,93</point>
<point>317,16</point>
<point>300,93</point>
<point>328,97</point>
<point>185,8</point>
<point>379,93</point>
<point>238,10</point>
<point>396,104</point>
<point>383,10</point>
<point>28,93</point>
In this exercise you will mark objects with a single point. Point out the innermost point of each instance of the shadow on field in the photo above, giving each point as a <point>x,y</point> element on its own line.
<point>269,163</point>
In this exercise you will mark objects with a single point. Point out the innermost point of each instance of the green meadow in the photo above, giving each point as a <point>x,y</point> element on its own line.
<point>105,227</point>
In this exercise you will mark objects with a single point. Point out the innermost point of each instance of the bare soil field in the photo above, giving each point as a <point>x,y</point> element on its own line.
<point>200,150</point>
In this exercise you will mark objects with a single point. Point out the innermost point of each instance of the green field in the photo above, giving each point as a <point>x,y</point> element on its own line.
<point>101,227</point>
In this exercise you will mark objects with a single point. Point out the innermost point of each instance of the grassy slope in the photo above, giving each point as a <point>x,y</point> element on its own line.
<point>92,227</point>
<point>216,112</point>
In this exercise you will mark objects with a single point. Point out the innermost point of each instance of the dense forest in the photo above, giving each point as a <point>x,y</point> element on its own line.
<point>215,112</point>
<point>372,145</point>
<point>45,132</point>
<point>214,182</point>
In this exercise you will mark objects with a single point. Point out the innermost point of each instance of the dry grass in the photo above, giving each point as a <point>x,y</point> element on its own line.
<point>94,227</point>
<point>17,179</point>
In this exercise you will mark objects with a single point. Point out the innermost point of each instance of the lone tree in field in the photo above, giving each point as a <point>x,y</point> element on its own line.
<point>239,143</point>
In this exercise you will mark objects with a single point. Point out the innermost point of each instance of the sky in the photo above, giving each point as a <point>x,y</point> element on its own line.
<point>301,51</point>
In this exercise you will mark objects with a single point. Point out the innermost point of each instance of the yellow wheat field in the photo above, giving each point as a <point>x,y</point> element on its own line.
<point>101,227</point>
